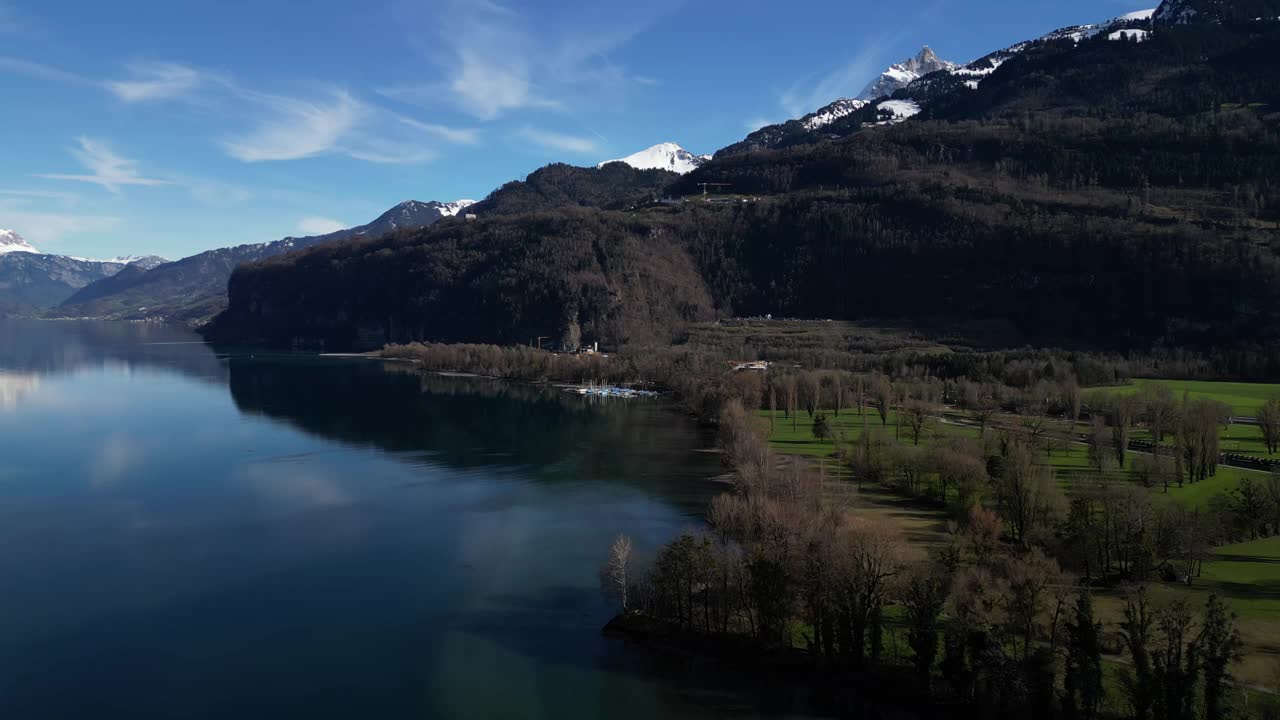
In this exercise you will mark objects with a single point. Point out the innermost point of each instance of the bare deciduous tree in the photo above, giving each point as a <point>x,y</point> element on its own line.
<point>882,396</point>
<point>1122,416</point>
<point>917,414</point>
<point>1269,424</point>
<point>983,532</point>
<point>616,573</point>
<point>1025,492</point>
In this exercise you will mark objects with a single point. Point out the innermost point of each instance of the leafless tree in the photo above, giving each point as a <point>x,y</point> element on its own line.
<point>869,556</point>
<point>1029,580</point>
<point>1025,492</point>
<point>812,392</point>
<point>917,414</point>
<point>837,384</point>
<point>960,469</point>
<point>1071,399</point>
<point>984,403</point>
<point>1199,436</point>
<point>792,394</point>
<point>1160,409</point>
<point>1097,440</point>
<point>983,532</point>
<point>616,574</point>
<point>1122,416</point>
<point>1269,424</point>
<point>882,396</point>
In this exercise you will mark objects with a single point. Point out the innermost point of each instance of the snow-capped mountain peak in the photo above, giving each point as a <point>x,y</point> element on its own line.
<point>663,156</point>
<point>902,74</point>
<point>11,242</point>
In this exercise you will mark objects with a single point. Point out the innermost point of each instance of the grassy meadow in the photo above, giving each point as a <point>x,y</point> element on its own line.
<point>1248,575</point>
<point>1244,398</point>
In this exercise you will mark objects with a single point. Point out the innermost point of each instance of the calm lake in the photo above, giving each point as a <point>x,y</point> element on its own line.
<point>187,533</point>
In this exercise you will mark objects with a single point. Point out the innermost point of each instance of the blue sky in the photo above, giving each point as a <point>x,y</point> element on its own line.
<point>160,127</point>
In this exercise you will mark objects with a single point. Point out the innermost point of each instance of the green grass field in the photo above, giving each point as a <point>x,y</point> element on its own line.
<point>1244,398</point>
<point>1253,567</point>
<point>1247,575</point>
<point>1070,463</point>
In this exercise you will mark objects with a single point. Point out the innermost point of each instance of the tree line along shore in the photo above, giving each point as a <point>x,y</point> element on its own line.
<point>997,504</point>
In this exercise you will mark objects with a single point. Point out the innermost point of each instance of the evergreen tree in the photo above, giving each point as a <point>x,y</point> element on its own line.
<point>1220,644</point>
<point>1138,681</point>
<point>1082,681</point>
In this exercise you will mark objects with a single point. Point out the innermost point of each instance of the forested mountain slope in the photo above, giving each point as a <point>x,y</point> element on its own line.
<point>571,273</point>
<point>1088,190</point>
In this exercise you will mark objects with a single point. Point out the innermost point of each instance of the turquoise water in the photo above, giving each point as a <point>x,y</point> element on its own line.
<point>185,533</point>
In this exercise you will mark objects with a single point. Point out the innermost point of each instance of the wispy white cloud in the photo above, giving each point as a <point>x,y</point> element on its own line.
<point>646,80</point>
<point>319,225</point>
<point>486,88</point>
<point>755,123</point>
<point>105,167</point>
<point>500,60</point>
<point>558,141</point>
<point>155,81</point>
<point>285,127</point>
<point>339,124</point>
<point>460,136</point>
<point>295,129</point>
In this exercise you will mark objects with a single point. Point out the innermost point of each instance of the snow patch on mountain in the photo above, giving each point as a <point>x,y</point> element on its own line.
<point>663,156</point>
<point>1138,15</point>
<point>900,75</point>
<point>12,242</point>
<point>830,113</point>
<point>892,112</point>
<point>1138,35</point>
<point>451,209</point>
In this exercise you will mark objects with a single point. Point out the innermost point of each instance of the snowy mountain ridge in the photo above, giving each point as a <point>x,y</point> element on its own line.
<point>412,214</point>
<point>830,113</point>
<point>663,156</point>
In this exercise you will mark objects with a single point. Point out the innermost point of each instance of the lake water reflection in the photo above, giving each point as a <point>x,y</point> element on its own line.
<point>186,533</point>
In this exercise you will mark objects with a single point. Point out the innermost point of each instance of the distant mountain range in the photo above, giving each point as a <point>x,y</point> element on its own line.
<point>32,281</point>
<point>194,288</point>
